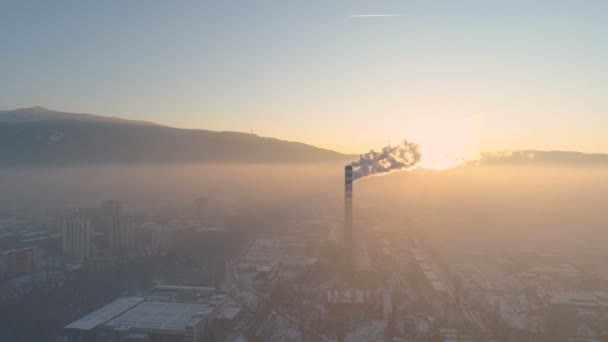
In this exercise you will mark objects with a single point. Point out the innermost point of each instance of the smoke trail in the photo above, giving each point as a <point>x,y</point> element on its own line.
<point>392,158</point>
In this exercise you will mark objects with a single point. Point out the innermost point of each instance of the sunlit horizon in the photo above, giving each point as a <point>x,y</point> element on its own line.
<point>347,76</point>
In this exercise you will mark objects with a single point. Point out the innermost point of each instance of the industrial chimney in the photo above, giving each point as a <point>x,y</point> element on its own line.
<point>348,212</point>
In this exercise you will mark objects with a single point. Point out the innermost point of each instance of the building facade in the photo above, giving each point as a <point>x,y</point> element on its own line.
<point>118,228</point>
<point>76,234</point>
<point>17,262</point>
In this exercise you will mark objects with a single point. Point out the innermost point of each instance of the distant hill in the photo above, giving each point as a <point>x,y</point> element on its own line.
<point>541,158</point>
<point>38,136</point>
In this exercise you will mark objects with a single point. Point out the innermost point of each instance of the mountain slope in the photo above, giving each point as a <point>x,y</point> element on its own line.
<point>42,115</point>
<point>37,136</point>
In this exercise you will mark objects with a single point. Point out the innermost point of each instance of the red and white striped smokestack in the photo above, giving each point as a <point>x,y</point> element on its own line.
<point>348,211</point>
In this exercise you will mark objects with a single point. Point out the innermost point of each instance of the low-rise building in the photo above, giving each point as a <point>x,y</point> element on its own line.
<point>153,316</point>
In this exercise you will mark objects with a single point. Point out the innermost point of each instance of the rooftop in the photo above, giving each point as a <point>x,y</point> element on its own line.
<point>154,316</point>
<point>578,299</point>
<point>438,286</point>
<point>105,314</point>
<point>183,288</point>
<point>231,312</point>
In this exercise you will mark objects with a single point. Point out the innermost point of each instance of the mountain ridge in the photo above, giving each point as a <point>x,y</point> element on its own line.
<point>41,114</point>
<point>38,137</point>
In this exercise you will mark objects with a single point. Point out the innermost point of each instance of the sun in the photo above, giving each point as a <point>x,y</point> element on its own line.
<point>444,155</point>
<point>446,145</point>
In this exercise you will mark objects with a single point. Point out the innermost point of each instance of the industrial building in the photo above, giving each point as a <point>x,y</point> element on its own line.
<point>348,212</point>
<point>567,312</point>
<point>352,298</point>
<point>166,313</point>
<point>437,287</point>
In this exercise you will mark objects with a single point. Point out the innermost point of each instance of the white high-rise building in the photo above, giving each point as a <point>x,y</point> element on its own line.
<point>76,238</point>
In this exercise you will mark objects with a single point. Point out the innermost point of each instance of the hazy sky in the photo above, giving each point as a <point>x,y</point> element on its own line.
<point>486,74</point>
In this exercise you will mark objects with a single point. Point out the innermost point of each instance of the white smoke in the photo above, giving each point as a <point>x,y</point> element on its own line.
<point>392,158</point>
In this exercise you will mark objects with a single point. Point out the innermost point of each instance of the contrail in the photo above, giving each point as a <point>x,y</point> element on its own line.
<point>374,15</point>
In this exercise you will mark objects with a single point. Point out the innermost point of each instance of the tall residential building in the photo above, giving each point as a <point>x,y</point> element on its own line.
<point>18,262</point>
<point>110,211</point>
<point>76,238</point>
<point>118,228</point>
<point>154,238</point>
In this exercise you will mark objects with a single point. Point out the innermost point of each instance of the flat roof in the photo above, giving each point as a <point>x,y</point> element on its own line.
<point>430,275</point>
<point>577,299</point>
<point>183,288</point>
<point>438,286</point>
<point>105,314</point>
<point>231,312</point>
<point>264,268</point>
<point>155,316</point>
<point>424,266</point>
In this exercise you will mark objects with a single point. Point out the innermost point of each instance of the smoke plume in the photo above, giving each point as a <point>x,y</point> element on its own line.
<point>392,158</point>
